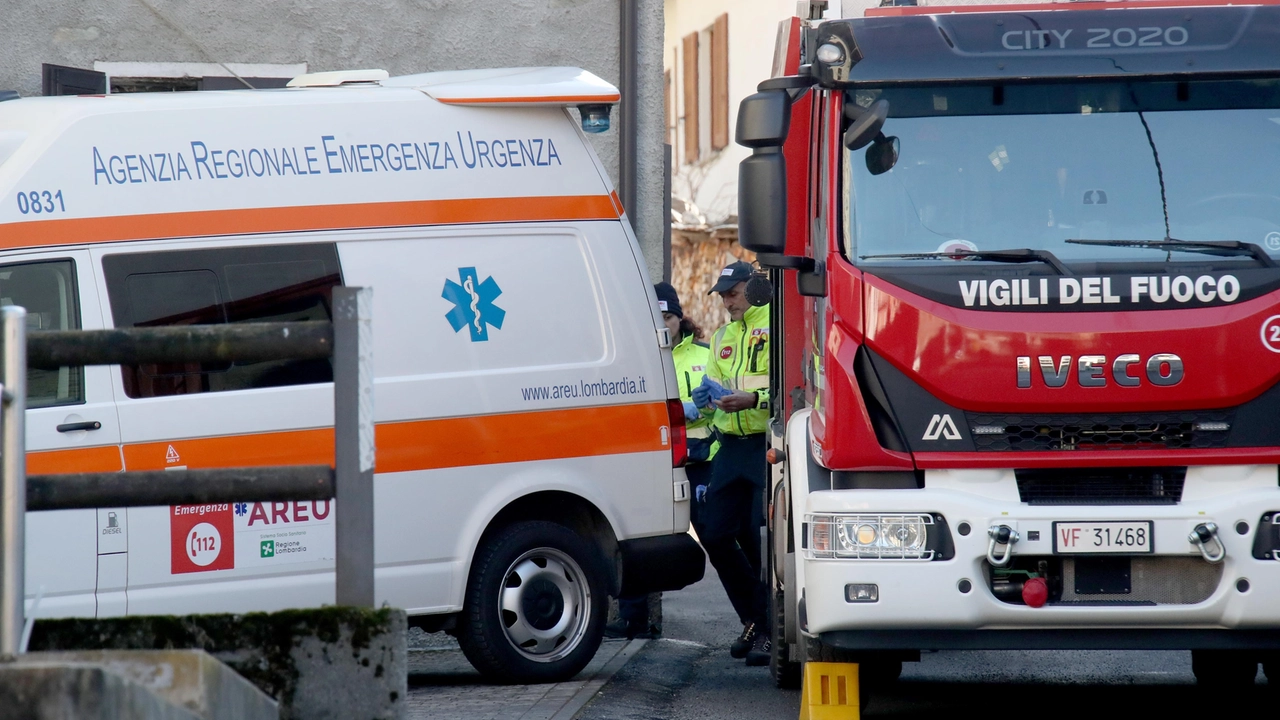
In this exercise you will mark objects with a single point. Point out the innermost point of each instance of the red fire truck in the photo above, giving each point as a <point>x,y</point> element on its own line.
<point>1026,323</point>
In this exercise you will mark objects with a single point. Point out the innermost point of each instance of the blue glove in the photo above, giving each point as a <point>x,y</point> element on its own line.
<point>702,395</point>
<point>700,493</point>
<point>707,391</point>
<point>691,411</point>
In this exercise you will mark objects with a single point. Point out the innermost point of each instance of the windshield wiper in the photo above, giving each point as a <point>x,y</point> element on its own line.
<point>1220,248</point>
<point>1019,255</point>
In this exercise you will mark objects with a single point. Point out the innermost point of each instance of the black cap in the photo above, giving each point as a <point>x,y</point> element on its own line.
<point>731,275</point>
<point>668,300</point>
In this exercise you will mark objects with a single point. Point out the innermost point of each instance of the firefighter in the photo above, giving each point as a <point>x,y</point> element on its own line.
<point>690,355</point>
<point>735,394</point>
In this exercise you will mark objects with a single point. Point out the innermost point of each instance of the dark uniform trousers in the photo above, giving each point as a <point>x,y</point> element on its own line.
<point>731,519</point>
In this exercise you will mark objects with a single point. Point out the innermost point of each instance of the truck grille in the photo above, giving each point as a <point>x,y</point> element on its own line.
<point>1173,430</point>
<point>1101,486</point>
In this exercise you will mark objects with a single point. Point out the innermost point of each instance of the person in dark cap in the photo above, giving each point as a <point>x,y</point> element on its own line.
<point>690,357</point>
<point>735,395</point>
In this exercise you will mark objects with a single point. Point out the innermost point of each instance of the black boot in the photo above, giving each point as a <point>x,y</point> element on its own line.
<point>742,645</point>
<point>618,629</point>
<point>630,630</point>
<point>761,649</point>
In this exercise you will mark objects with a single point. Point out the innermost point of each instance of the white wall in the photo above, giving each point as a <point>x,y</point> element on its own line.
<point>753,26</point>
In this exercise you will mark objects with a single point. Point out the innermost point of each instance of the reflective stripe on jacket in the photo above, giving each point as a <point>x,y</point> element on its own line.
<point>740,361</point>
<point>691,364</point>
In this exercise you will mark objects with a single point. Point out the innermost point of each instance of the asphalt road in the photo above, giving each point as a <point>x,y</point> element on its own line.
<point>689,674</point>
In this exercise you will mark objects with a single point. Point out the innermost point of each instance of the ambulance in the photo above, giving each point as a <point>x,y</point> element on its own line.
<point>529,433</point>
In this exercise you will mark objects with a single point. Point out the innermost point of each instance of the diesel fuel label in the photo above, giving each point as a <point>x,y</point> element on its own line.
<point>1159,289</point>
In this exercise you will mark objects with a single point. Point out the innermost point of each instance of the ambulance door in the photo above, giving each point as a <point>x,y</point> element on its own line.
<point>72,426</point>
<point>237,556</point>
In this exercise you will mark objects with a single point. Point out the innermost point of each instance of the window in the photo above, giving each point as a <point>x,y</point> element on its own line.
<point>279,283</point>
<point>48,292</point>
<point>703,58</point>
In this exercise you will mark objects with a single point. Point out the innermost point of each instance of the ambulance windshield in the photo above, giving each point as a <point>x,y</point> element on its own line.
<point>1031,166</point>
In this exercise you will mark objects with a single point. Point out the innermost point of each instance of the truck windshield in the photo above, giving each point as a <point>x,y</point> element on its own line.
<point>1031,166</point>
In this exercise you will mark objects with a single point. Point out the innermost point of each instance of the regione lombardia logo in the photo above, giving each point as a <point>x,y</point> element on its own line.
<point>473,306</point>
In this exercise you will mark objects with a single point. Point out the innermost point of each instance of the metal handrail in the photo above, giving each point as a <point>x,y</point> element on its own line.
<point>348,340</point>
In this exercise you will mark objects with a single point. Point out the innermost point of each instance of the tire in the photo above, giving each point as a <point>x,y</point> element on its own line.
<point>1223,668</point>
<point>786,674</point>
<point>535,607</point>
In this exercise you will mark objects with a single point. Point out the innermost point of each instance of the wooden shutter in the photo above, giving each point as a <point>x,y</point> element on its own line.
<point>668,108</point>
<point>720,82</point>
<point>689,56</point>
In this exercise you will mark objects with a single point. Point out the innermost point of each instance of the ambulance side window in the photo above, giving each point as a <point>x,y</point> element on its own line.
<point>48,292</point>
<point>278,283</point>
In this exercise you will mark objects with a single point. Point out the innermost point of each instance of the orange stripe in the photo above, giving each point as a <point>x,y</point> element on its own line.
<point>79,231</point>
<point>617,202</point>
<point>104,458</point>
<point>433,444</point>
<point>531,100</point>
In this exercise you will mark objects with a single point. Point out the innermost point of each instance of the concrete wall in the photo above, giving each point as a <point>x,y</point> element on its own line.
<point>400,36</point>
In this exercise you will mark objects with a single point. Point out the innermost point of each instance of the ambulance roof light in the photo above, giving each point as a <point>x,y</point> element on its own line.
<point>524,87</point>
<point>335,78</point>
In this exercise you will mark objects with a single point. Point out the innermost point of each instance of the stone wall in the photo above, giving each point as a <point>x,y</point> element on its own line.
<point>697,256</point>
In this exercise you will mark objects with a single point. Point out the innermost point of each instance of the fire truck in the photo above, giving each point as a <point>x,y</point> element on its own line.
<point>1026,331</point>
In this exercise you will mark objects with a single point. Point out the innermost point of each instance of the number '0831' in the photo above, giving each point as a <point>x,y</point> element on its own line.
<point>39,202</point>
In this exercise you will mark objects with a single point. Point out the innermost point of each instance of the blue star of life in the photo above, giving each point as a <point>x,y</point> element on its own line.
<point>473,306</point>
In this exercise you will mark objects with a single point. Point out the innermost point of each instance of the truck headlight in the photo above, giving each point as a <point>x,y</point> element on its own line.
<point>898,536</point>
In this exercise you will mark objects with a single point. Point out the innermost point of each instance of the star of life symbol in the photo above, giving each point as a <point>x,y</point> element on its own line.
<point>473,306</point>
<point>941,426</point>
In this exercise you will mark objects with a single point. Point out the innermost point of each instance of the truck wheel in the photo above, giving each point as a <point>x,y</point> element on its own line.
<point>1223,668</point>
<point>786,674</point>
<point>534,610</point>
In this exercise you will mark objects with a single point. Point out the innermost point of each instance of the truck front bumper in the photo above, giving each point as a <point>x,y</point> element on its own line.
<point>949,603</point>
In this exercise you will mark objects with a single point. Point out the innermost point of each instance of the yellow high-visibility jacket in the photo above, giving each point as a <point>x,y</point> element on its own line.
<point>740,361</point>
<point>691,358</point>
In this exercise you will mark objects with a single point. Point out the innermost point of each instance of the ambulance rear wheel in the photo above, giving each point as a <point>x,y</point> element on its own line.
<point>535,605</point>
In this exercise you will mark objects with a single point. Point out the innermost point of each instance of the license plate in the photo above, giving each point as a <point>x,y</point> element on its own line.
<point>1079,538</point>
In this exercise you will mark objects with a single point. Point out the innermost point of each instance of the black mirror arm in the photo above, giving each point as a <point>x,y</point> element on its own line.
<point>785,262</point>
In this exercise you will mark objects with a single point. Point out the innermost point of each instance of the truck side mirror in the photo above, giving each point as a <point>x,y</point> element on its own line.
<point>882,155</point>
<point>866,123</point>
<point>763,121</point>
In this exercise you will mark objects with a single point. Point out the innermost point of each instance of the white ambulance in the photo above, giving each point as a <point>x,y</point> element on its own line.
<point>528,442</point>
